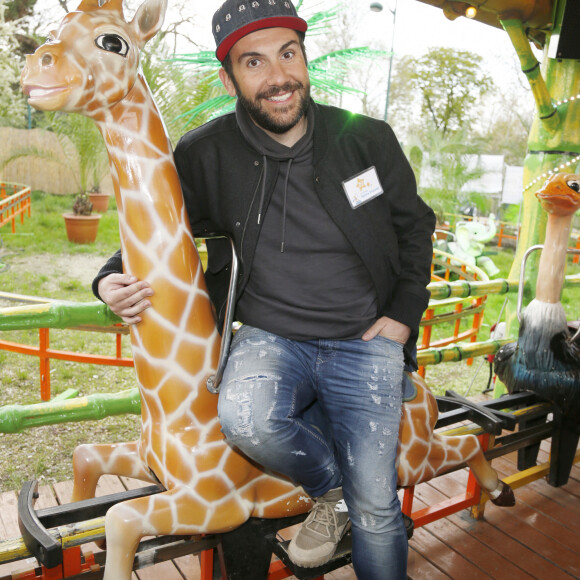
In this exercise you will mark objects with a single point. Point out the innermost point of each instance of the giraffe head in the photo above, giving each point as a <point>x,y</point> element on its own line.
<point>90,62</point>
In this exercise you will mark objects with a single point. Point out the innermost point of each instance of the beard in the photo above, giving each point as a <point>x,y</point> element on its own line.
<point>276,123</point>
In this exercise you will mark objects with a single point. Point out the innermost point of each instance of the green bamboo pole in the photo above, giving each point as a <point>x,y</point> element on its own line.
<point>547,112</point>
<point>460,351</point>
<point>57,315</point>
<point>16,418</point>
<point>75,314</point>
<point>465,288</point>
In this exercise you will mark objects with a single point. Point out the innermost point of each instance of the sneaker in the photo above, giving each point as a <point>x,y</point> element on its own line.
<point>317,539</point>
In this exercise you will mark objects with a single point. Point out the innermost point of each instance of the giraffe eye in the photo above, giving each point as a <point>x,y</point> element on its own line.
<point>113,43</point>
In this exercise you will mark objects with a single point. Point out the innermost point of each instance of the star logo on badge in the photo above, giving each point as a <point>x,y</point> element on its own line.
<point>361,184</point>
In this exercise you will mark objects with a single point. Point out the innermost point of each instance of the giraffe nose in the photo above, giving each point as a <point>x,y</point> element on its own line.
<point>47,54</point>
<point>47,59</point>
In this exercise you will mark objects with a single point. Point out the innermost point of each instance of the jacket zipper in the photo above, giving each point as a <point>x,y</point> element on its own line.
<point>241,256</point>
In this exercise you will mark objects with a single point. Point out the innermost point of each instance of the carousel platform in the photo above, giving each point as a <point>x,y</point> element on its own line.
<point>538,538</point>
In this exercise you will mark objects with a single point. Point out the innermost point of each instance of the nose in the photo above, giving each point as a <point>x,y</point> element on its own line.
<point>278,74</point>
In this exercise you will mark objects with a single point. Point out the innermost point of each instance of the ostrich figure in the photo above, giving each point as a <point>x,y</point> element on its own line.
<point>546,357</point>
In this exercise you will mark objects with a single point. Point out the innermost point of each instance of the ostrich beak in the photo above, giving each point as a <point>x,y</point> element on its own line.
<point>560,194</point>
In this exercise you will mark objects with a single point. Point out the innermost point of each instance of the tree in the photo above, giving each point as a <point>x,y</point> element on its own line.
<point>443,166</point>
<point>173,89</point>
<point>13,42</point>
<point>506,127</point>
<point>447,84</point>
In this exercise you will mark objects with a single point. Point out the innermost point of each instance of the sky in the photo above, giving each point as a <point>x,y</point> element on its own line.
<point>418,26</point>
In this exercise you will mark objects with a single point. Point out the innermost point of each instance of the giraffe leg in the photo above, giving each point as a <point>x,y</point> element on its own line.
<point>500,493</point>
<point>90,461</point>
<point>425,454</point>
<point>179,511</point>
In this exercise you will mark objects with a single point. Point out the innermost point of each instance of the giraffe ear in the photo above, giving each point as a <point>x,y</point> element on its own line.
<point>148,20</point>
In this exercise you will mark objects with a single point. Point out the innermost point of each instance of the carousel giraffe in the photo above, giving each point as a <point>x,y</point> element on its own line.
<point>90,65</point>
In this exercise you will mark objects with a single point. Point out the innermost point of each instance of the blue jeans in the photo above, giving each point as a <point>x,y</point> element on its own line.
<point>325,413</point>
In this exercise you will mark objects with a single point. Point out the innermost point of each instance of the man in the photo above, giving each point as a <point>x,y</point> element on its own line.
<point>335,252</point>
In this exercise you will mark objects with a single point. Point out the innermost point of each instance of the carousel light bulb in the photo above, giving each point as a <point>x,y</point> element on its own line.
<point>471,12</point>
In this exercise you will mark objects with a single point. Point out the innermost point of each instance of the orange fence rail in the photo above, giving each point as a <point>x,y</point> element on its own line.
<point>455,310</point>
<point>15,200</point>
<point>45,353</point>
<point>576,257</point>
<point>440,312</point>
<point>507,231</point>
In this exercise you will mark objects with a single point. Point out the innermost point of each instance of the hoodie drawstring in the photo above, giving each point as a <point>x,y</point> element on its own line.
<point>284,207</point>
<point>263,192</point>
<point>263,195</point>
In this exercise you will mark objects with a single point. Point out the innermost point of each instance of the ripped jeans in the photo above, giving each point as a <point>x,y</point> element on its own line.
<point>325,413</point>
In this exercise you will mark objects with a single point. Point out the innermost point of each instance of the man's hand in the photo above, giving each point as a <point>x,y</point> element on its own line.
<point>388,328</point>
<point>125,295</point>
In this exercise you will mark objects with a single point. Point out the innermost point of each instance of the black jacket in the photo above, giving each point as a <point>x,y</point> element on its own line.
<point>220,175</point>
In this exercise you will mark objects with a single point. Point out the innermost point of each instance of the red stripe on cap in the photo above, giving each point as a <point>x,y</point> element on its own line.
<point>292,22</point>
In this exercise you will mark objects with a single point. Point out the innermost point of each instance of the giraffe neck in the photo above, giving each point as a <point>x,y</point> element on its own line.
<point>147,188</point>
<point>177,336</point>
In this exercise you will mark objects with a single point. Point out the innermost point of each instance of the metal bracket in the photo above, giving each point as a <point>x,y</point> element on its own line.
<point>492,421</point>
<point>213,382</point>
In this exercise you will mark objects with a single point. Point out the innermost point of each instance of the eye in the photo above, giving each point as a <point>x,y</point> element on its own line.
<point>288,55</point>
<point>113,43</point>
<point>253,63</point>
<point>575,185</point>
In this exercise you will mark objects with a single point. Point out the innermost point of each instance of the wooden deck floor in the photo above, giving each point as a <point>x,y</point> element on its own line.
<point>538,538</point>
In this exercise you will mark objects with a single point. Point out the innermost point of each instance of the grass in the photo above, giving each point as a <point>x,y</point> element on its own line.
<point>38,260</point>
<point>44,232</point>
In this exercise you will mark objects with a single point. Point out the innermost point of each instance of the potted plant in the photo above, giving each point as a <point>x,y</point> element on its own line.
<point>99,199</point>
<point>82,225</point>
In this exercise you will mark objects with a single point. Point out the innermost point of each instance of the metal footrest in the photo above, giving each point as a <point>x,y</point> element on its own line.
<point>45,544</point>
<point>342,556</point>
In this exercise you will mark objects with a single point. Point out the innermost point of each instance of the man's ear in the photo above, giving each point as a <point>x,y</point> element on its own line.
<point>227,82</point>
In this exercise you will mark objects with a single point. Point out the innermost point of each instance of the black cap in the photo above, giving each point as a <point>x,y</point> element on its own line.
<point>236,18</point>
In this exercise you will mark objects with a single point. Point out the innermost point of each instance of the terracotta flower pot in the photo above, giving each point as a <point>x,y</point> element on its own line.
<point>100,201</point>
<point>81,229</point>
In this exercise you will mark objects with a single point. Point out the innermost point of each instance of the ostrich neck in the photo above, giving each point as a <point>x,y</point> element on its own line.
<point>553,259</point>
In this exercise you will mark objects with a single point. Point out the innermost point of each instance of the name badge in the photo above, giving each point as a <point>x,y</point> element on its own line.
<point>362,187</point>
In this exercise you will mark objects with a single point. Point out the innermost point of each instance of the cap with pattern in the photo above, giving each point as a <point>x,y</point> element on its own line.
<point>236,18</point>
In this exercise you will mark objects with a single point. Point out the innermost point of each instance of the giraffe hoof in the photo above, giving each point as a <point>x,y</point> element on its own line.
<point>101,544</point>
<point>506,497</point>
